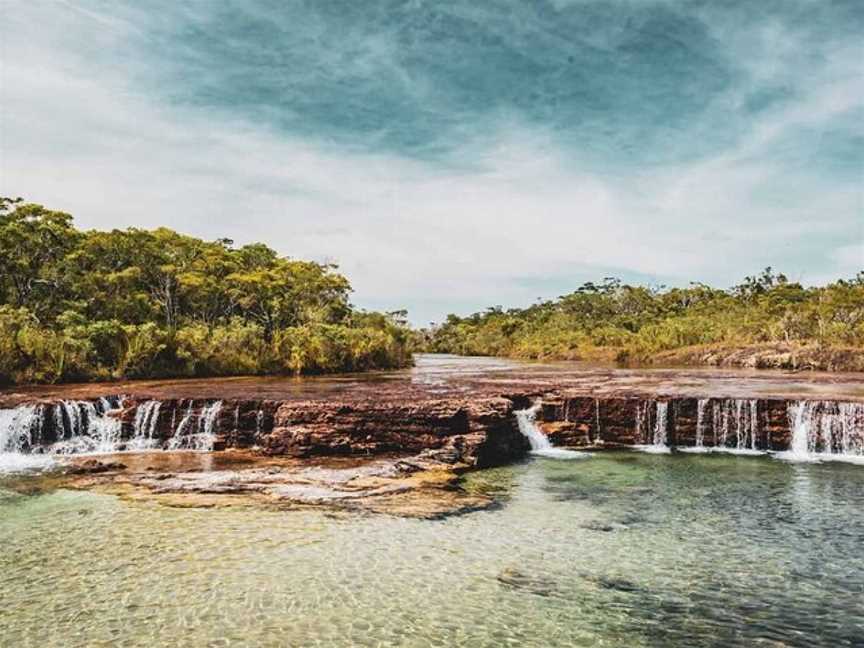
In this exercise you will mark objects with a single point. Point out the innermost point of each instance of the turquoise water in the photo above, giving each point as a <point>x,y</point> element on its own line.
<point>622,549</point>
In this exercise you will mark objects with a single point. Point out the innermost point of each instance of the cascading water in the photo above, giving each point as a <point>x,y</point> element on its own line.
<point>176,441</point>
<point>84,426</point>
<point>540,444</point>
<point>78,427</point>
<point>738,416</point>
<point>19,429</point>
<point>33,435</point>
<point>701,407</point>
<point>731,425</point>
<point>642,422</point>
<point>144,426</point>
<point>104,430</point>
<point>653,438</point>
<point>199,436</point>
<point>704,422</point>
<point>825,430</point>
<point>661,424</point>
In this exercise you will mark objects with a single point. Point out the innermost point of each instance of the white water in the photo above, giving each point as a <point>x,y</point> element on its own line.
<point>661,424</point>
<point>825,431</point>
<point>18,428</point>
<point>701,428</point>
<point>733,426</point>
<point>540,444</point>
<point>701,406</point>
<point>202,435</point>
<point>94,427</point>
<point>144,426</point>
<point>654,439</point>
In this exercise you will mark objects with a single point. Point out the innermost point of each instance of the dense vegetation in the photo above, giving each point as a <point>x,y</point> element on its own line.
<point>134,303</point>
<point>765,321</point>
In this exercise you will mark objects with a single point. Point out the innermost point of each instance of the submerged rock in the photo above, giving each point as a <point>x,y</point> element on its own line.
<point>605,527</point>
<point>614,583</point>
<point>91,466</point>
<point>429,490</point>
<point>537,585</point>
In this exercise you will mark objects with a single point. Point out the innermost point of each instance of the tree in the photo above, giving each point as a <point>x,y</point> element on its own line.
<point>32,242</point>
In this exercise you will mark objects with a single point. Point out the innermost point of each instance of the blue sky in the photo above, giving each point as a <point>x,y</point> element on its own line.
<point>453,155</point>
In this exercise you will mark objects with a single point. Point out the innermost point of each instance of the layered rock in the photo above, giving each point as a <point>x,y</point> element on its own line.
<point>478,432</point>
<point>749,424</point>
<point>475,430</point>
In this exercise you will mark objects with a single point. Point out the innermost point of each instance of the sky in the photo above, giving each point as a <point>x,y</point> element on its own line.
<point>451,156</point>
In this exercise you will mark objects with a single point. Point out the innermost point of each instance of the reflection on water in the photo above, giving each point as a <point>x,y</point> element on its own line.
<point>622,549</point>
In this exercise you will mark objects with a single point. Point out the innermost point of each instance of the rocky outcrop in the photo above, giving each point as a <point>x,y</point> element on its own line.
<point>417,487</point>
<point>479,433</point>
<point>750,424</point>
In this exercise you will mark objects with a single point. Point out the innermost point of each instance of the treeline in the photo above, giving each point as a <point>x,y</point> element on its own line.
<point>133,303</point>
<point>767,321</point>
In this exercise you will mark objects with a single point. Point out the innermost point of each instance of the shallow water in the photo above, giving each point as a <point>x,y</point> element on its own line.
<point>620,549</point>
<point>440,374</point>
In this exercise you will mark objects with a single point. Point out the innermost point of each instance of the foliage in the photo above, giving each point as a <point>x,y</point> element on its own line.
<point>613,320</point>
<point>136,303</point>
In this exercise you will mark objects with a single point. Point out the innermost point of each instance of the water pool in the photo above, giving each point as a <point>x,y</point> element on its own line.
<point>621,549</point>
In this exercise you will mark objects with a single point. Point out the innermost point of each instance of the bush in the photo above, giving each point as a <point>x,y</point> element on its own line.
<point>145,304</point>
<point>613,320</point>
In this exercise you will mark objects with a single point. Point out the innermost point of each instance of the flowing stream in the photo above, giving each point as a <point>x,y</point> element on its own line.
<point>540,444</point>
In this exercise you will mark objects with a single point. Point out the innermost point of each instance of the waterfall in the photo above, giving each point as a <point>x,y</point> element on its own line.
<point>104,430</point>
<point>661,424</point>
<point>733,423</point>
<point>702,420</point>
<point>176,441</point>
<point>33,435</point>
<point>78,427</point>
<point>701,406</point>
<point>540,444</point>
<point>207,426</point>
<point>19,430</point>
<point>526,420</point>
<point>202,435</point>
<point>18,427</point>
<point>144,426</point>
<point>800,415</point>
<point>653,438</point>
<point>642,422</point>
<point>81,428</point>
<point>825,430</point>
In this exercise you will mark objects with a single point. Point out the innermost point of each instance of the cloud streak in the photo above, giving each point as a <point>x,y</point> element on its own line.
<point>470,203</point>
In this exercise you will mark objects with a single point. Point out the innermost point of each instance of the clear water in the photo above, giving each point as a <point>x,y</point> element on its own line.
<point>621,549</point>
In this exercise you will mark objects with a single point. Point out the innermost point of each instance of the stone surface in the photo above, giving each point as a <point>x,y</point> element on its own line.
<point>420,486</point>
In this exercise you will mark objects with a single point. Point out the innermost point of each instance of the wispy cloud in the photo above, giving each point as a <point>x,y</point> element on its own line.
<point>458,205</point>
